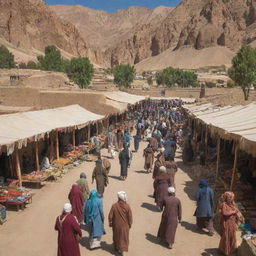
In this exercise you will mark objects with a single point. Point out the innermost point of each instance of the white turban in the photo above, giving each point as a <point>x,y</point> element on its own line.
<point>67,208</point>
<point>171,190</point>
<point>162,149</point>
<point>122,195</point>
<point>162,169</point>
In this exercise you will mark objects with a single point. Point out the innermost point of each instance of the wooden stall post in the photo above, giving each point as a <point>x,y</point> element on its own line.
<point>74,137</point>
<point>37,156</point>
<point>57,146</point>
<point>89,132</point>
<point>234,168</point>
<point>218,161</point>
<point>206,143</point>
<point>18,170</point>
<point>51,147</point>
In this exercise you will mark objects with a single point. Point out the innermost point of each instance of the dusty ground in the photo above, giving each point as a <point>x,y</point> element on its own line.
<point>31,232</point>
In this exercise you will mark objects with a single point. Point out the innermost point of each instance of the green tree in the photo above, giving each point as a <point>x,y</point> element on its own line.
<point>150,80</point>
<point>32,65</point>
<point>52,59</point>
<point>243,70</point>
<point>230,84</point>
<point>6,58</point>
<point>124,75</point>
<point>80,70</point>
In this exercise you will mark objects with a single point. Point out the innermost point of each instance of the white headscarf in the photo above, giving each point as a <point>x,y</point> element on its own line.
<point>67,208</point>
<point>122,196</point>
<point>171,190</point>
<point>162,169</point>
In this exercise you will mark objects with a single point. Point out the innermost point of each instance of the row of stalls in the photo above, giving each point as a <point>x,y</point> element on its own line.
<point>64,136</point>
<point>224,139</point>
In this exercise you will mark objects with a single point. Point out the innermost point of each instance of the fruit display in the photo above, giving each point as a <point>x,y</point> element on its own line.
<point>11,194</point>
<point>35,176</point>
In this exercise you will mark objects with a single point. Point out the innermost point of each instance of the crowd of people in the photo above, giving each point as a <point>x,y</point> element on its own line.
<point>160,125</point>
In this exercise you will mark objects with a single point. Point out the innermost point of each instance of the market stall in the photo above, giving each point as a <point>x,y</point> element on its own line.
<point>228,136</point>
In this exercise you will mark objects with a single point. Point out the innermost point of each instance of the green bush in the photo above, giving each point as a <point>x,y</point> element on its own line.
<point>79,70</point>
<point>6,58</point>
<point>32,65</point>
<point>52,59</point>
<point>230,84</point>
<point>150,80</point>
<point>210,84</point>
<point>171,76</point>
<point>124,75</point>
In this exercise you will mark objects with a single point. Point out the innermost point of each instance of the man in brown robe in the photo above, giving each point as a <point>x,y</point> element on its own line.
<point>171,167</point>
<point>158,163</point>
<point>101,177</point>
<point>153,143</point>
<point>120,219</point>
<point>149,158</point>
<point>170,217</point>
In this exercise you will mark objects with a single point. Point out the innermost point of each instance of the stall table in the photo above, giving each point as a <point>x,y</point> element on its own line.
<point>20,204</point>
<point>37,182</point>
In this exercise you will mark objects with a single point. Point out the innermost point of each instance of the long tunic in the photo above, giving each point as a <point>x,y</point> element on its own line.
<point>96,223</point>
<point>149,158</point>
<point>158,163</point>
<point>67,231</point>
<point>124,158</point>
<point>171,214</point>
<point>153,143</point>
<point>82,182</point>
<point>161,184</point>
<point>171,169</point>
<point>228,242</point>
<point>101,177</point>
<point>120,219</point>
<point>204,199</point>
<point>76,200</point>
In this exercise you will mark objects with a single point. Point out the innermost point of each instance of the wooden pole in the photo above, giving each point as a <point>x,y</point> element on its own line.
<point>37,156</point>
<point>18,170</point>
<point>218,161</point>
<point>74,138</point>
<point>57,146</point>
<point>234,168</point>
<point>206,143</point>
<point>89,132</point>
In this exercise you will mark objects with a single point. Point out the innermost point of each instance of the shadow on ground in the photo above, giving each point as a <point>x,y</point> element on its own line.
<point>114,177</point>
<point>150,207</point>
<point>142,171</point>
<point>211,252</point>
<point>153,239</point>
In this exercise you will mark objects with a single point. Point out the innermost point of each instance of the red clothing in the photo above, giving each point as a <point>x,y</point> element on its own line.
<point>76,200</point>
<point>228,242</point>
<point>67,231</point>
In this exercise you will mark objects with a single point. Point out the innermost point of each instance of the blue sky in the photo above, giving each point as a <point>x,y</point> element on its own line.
<point>113,5</point>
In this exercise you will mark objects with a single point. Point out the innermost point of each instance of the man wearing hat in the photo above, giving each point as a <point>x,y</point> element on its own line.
<point>68,232</point>
<point>120,219</point>
<point>170,217</point>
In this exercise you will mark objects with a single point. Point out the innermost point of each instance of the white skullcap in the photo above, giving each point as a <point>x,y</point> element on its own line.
<point>171,190</point>
<point>122,195</point>
<point>67,208</point>
<point>162,149</point>
<point>162,169</point>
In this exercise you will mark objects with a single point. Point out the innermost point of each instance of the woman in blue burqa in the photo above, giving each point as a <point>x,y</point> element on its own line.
<point>94,218</point>
<point>204,211</point>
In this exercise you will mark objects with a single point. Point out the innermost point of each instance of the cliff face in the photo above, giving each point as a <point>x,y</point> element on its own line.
<point>31,24</point>
<point>193,23</point>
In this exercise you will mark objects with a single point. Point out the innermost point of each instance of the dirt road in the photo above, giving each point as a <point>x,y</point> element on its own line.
<point>31,232</point>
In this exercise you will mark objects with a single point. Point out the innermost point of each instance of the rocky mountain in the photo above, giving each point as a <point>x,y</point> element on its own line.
<point>31,24</point>
<point>193,23</point>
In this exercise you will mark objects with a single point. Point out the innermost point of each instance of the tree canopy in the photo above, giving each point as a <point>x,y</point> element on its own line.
<point>80,70</point>
<point>124,75</point>
<point>52,59</point>
<point>171,76</point>
<point>243,70</point>
<point>6,58</point>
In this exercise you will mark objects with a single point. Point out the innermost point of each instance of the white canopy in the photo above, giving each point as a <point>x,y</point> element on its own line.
<point>19,127</point>
<point>231,122</point>
<point>124,97</point>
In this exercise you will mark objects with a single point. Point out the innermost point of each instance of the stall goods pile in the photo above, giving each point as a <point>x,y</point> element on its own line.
<point>55,172</point>
<point>73,155</point>
<point>35,176</point>
<point>14,194</point>
<point>61,162</point>
<point>2,214</point>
